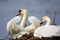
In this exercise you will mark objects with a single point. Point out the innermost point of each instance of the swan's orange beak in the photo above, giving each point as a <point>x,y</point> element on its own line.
<point>19,13</point>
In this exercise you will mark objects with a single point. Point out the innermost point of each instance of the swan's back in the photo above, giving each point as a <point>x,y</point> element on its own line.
<point>46,31</point>
<point>12,22</point>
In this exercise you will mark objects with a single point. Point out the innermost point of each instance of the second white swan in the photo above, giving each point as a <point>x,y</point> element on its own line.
<point>47,30</point>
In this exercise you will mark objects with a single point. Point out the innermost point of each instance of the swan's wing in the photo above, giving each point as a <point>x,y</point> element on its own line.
<point>12,22</point>
<point>29,28</point>
<point>16,19</point>
<point>35,21</point>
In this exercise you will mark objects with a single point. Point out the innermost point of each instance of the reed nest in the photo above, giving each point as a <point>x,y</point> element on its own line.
<point>31,37</point>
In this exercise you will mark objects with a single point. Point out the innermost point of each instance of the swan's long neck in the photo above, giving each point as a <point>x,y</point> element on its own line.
<point>48,21</point>
<point>23,22</point>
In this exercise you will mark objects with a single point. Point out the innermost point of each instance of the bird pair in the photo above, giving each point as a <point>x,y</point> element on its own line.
<point>39,31</point>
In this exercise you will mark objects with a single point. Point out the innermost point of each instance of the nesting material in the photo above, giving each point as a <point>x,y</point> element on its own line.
<point>31,37</point>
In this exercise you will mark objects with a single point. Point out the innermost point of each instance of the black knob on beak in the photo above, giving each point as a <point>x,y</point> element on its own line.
<point>19,10</point>
<point>19,13</point>
<point>41,23</point>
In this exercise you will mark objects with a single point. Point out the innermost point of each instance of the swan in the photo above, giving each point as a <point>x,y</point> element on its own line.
<point>34,21</point>
<point>47,30</point>
<point>17,31</point>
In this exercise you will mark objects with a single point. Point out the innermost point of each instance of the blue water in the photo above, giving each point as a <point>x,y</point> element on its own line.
<point>38,8</point>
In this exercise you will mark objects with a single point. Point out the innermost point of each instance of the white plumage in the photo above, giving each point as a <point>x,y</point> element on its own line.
<point>47,30</point>
<point>13,28</point>
<point>16,31</point>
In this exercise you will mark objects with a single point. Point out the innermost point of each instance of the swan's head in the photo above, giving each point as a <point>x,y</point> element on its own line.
<point>45,19</point>
<point>22,11</point>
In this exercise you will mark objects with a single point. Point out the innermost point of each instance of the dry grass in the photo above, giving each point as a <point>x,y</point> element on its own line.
<point>31,37</point>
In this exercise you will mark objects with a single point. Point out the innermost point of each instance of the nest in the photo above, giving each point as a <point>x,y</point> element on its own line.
<point>31,37</point>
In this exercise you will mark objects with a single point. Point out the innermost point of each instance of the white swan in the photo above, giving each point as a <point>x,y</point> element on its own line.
<point>18,31</point>
<point>47,30</point>
<point>34,21</point>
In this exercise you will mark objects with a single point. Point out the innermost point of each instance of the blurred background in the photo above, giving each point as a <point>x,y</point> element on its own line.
<point>37,8</point>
